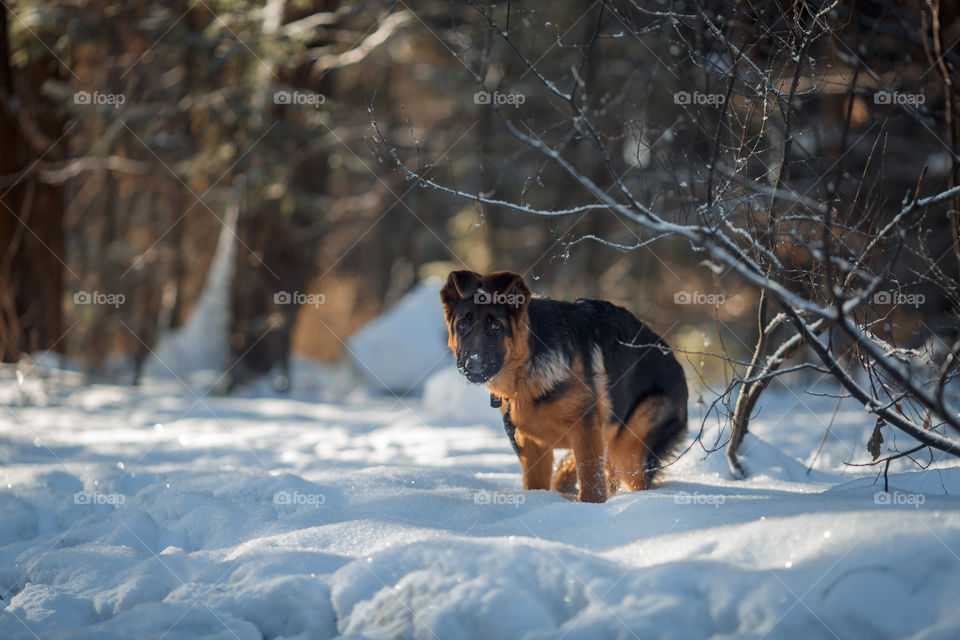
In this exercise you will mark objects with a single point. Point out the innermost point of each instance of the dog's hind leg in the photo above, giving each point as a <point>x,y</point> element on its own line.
<point>639,451</point>
<point>565,477</point>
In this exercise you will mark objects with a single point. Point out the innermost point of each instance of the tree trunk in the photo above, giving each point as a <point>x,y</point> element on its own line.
<point>32,256</point>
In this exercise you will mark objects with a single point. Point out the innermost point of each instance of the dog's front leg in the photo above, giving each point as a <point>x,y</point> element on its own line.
<point>590,452</point>
<point>536,461</point>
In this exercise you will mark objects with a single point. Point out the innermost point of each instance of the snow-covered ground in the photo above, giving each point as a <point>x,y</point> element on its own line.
<point>157,512</point>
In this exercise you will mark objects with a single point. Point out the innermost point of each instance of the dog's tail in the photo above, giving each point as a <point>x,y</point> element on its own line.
<point>662,442</point>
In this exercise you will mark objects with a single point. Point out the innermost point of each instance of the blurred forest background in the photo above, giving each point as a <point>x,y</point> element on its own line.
<point>133,133</point>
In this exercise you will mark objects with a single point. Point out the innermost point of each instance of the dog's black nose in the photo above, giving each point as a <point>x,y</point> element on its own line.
<point>473,364</point>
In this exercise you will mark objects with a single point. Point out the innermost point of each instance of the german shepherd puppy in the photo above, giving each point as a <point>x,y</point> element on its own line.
<point>587,376</point>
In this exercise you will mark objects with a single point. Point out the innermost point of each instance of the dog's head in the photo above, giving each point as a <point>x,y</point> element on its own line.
<point>483,314</point>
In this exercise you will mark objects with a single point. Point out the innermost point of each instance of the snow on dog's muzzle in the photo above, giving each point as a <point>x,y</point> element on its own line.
<point>477,368</point>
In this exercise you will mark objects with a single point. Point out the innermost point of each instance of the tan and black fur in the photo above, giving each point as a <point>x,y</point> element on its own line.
<point>587,376</point>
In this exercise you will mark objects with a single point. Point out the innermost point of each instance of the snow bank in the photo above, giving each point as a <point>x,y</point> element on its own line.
<point>399,349</point>
<point>202,343</point>
<point>448,394</point>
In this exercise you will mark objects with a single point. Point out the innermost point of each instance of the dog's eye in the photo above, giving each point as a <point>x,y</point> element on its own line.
<point>462,325</point>
<point>496,326</point>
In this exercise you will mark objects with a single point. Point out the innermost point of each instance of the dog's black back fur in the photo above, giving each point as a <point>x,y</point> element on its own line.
<point>638,363</point>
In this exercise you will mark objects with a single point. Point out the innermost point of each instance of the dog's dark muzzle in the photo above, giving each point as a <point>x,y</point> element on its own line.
<point>477,368</point>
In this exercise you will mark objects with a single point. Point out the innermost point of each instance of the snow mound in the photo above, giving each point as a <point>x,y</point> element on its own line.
<point>202,343</point>
<point>398,350</point>
<point>448,394</point>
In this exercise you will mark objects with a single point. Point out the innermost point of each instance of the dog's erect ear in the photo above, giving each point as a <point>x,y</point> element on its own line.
<point>514,291</point>
<point>460,285</point>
